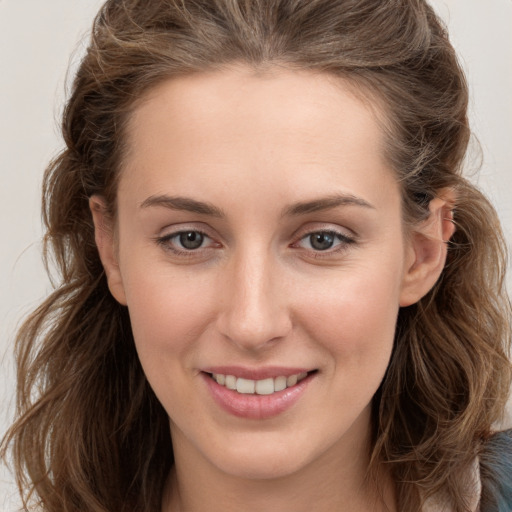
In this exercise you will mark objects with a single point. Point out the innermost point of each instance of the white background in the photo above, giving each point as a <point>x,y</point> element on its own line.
<point>36,40</point>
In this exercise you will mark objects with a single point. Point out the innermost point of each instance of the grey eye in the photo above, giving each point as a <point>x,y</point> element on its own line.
<point>321,241</point>
<point>191,239</point>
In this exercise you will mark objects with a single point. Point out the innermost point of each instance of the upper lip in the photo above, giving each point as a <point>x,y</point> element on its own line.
<point>256,373</point>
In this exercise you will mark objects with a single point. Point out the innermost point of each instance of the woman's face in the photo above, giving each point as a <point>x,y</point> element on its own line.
<point>260,242</point>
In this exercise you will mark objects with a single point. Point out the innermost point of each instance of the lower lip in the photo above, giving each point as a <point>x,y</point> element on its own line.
<point>257,407</point>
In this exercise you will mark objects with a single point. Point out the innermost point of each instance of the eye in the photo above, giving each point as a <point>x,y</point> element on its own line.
<point>325,240</point>
<point>186,241</point>
<point>190,239</point>
<point>321,241</point>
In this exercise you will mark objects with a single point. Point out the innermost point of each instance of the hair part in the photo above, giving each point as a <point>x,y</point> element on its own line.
<point>90,433</point>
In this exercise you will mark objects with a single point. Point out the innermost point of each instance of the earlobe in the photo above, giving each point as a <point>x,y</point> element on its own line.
<point>428,248</point>
<point>105,242</point>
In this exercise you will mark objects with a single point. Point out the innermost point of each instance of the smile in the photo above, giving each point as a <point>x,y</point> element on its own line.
<point>257,394</point>
<point>258,387</point>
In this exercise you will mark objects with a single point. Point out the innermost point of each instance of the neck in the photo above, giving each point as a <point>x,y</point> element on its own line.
<point>335,481</point>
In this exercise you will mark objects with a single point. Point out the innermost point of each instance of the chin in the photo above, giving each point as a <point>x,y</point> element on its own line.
<point>264,466</point>
<point>266,457</point>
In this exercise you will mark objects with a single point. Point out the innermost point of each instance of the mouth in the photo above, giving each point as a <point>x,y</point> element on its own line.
<point>267,386</point>
<point>257,393</point>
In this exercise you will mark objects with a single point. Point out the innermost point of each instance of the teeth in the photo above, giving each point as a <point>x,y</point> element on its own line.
<point>259,387</point>
<point>265,386</point>
<point>230,382</point>
<point>245,386</point>
<point>279,383</point>
<point>292,380</point>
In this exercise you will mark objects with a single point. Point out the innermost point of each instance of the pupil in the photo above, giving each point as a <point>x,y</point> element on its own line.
<point>191,239</point>
<point>321,241</point>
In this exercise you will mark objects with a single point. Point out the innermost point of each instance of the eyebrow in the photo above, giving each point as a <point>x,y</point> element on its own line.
<point>325,203</point>
<point>301,208</point>
<point>183,203</point>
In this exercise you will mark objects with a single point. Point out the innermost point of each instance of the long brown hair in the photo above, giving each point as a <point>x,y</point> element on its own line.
<point>90,434</point>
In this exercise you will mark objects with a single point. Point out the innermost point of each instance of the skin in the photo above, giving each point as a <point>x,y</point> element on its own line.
<point>257,293</point>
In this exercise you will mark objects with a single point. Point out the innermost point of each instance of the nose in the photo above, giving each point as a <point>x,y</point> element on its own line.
<point>254,310</point>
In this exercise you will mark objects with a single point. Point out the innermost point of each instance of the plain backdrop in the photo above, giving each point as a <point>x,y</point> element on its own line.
<point>37,39</point>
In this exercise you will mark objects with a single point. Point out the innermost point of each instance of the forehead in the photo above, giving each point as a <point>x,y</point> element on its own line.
<point>275,93</point>
<point>245,124</point>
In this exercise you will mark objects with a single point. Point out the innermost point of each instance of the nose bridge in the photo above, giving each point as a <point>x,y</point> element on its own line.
<point>254,312</point>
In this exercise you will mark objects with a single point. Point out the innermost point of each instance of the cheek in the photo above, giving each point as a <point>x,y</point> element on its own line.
<point>354,317</point>
<point>167,312</point>
<point>353,322</point>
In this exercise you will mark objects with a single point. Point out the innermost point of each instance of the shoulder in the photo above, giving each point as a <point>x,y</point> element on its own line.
<point>496,473</point>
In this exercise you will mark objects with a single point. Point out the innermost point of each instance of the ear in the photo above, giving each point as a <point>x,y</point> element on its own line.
<point>426,254</point>
<point>104,235</point>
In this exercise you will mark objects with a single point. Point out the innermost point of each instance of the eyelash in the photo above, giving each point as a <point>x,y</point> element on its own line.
<point>343,239</point>
<point>166,242</point>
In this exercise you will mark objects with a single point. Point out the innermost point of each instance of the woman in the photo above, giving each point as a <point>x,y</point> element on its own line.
<point>278,291</point>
